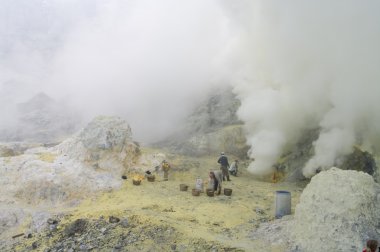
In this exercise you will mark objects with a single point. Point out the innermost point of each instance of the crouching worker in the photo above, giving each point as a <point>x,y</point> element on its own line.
<point>234,168</point>
<point>165,167</point>
<point>215,181</point>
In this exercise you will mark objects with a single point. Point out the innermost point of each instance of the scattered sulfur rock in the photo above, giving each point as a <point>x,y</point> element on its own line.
<point>173,246</point>
<point>113,219</point>
<point>53,227</point>
<point>259,210</point>
<point>77,227</point>
<point>52,221</point>
<point>101,235</point>
<point>82,247</point>
<point>34,245</point>
<point>124,223</point>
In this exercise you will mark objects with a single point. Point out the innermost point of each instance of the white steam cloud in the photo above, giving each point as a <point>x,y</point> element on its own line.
<point>305,65</point>
<point>148,61</point>
<point>295,65</point>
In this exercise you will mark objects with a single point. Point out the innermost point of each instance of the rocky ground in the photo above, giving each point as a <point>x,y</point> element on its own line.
<point>157,216</point>
<point>79,196</point>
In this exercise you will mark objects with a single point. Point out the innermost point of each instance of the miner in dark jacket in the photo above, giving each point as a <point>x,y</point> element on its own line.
<point>224,165</point>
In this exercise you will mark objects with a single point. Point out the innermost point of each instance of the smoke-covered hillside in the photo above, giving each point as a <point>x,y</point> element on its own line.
<point>41,120</point>
<point>294,66</point>
<point>210,128</point>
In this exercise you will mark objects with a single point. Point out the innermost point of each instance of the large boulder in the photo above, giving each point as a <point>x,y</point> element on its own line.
<point>91,161</point>
<point>104,144</point>
<point>43,176</point>
<point>338,211</point>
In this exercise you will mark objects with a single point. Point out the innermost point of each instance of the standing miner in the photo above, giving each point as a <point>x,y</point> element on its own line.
<point>224,165</point>
<point>165,167</point>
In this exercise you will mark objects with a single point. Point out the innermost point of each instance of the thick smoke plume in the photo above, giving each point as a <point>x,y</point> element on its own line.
<point>308,65</point>
<point>295,66</point>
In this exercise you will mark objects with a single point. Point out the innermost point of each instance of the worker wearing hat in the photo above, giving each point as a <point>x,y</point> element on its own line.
<point>224,165</point>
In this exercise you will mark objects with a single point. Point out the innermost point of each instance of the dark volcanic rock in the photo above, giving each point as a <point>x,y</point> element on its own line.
<point>100,235</point>
<point>77,227</point>
<point>113,219</point>
<point>360,161</point>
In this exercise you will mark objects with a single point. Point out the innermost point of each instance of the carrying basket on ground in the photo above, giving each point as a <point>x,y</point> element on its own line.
<point>227,191</point>
<point>195,192</point>
<point>183,187</point>
<point>210,192</point>
<point>136,182</point>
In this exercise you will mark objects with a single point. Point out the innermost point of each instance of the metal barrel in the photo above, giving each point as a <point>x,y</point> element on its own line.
<point>283,203</point>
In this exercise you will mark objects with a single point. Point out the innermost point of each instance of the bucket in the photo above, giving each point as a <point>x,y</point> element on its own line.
<point>151,178</point>
<point>227,191</point>
<point>283,203</point>
<point>183,187</point>
<point>195,192</point>
<point>136,182</point>
<point>210,192</point>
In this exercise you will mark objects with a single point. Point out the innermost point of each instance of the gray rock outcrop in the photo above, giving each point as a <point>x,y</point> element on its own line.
<point>104,144</point>
<point>35,175</point>
<point>91,161</point>
<point>211,128</point>
<point>296,156</point>
<point>9,218</point>
<point>338,211</point>
<point>229,139</point>
<point>216,112</point>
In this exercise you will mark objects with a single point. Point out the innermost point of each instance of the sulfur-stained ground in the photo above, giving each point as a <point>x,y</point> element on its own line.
<point>157,216</point>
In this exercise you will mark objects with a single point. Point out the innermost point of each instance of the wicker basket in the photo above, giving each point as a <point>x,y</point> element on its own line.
<point>227,191</point>
<point>183,187</point>
<point>195,192</point>
<point>210,192</point>
<point>136,182</point>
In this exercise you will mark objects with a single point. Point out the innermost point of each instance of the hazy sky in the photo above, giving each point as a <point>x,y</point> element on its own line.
<point>148,61</point>
<point>294,65</point>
